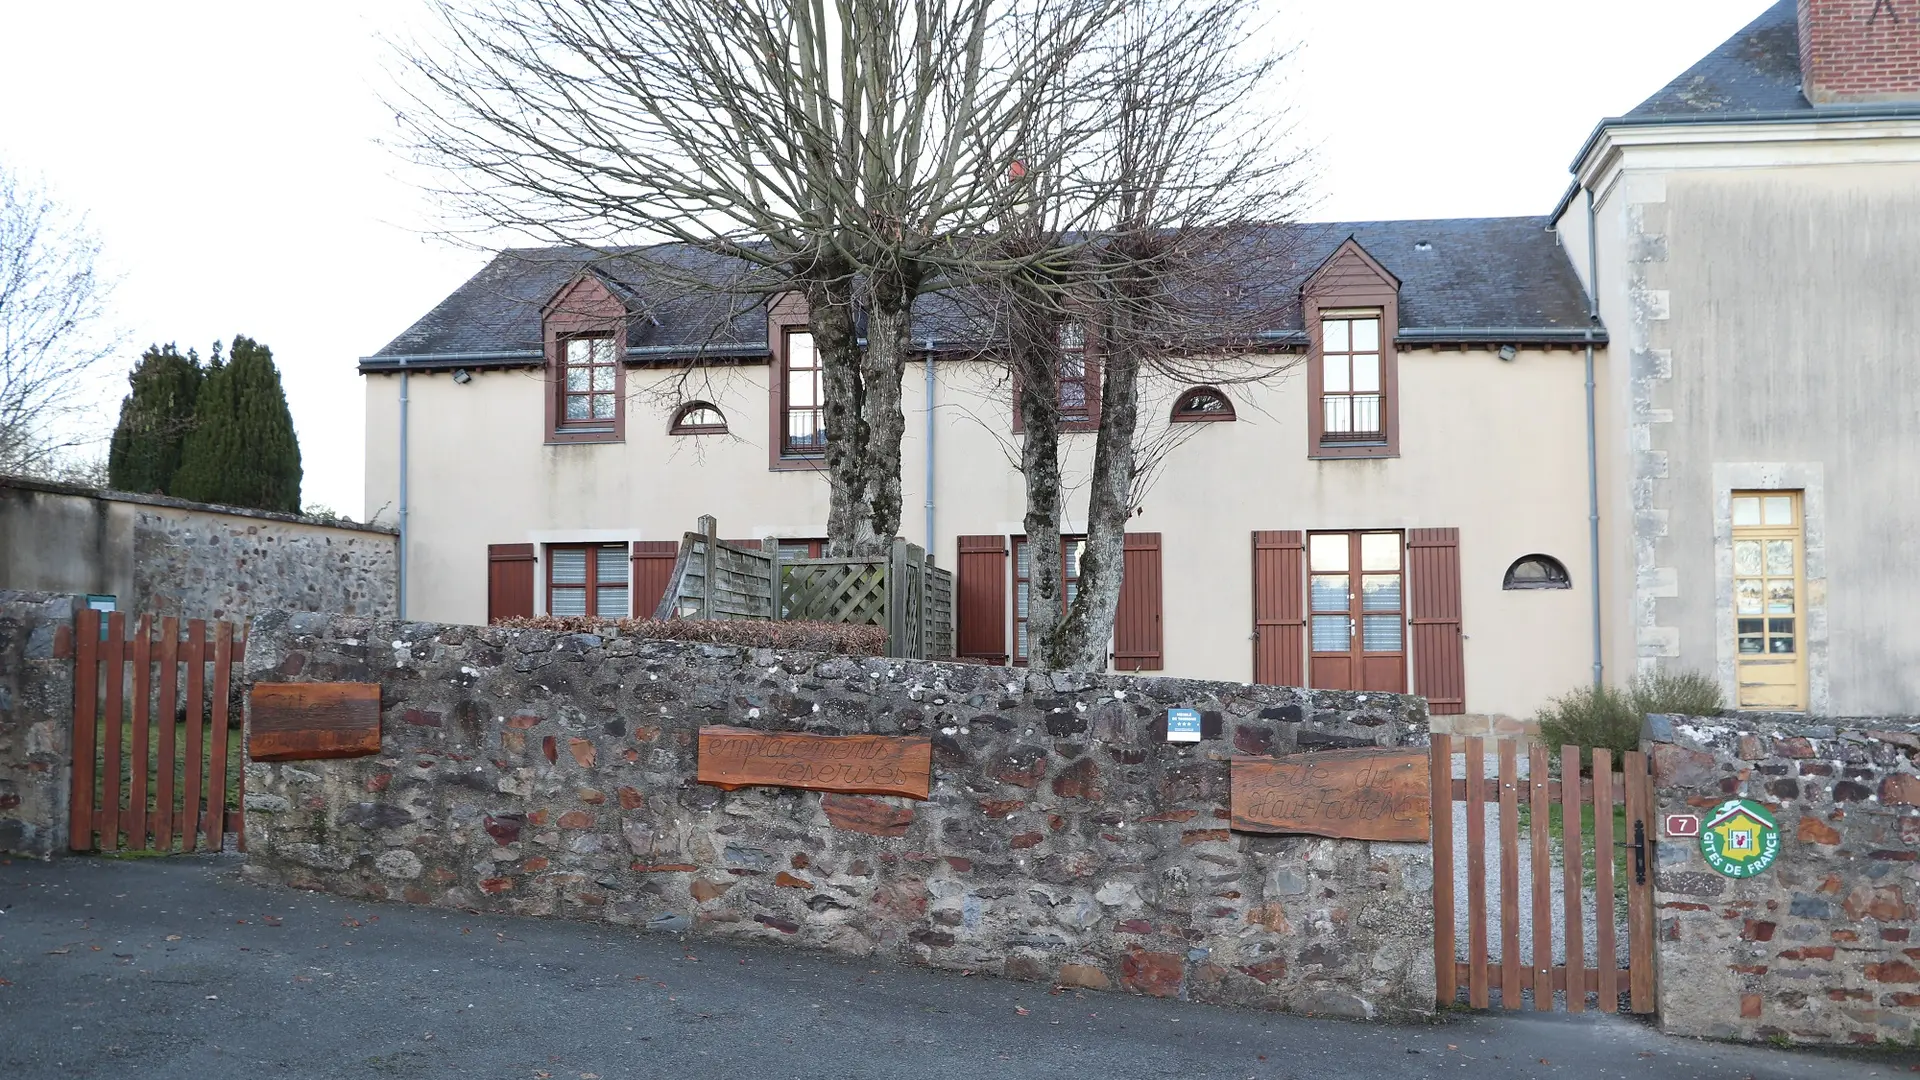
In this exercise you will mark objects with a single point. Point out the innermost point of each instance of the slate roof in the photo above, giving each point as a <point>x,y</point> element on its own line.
<point>1500,280</point>
<point>1755,71</point>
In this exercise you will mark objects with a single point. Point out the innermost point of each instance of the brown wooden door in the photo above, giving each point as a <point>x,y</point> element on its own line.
<point>1279,615</point>
<point>1356,616</point>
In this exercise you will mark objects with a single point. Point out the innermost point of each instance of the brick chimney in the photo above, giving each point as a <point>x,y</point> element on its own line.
<point>1859,51</point>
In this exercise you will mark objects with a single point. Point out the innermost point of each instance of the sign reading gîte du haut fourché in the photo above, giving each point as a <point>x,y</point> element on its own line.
<point>732,757</point>
<point>1350,794</point>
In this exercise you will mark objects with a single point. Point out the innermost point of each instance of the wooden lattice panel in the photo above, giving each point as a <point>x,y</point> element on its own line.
<point>835,590</point>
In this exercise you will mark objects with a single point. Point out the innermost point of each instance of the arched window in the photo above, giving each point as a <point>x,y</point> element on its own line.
<point>1202,404</point>
<point>698,418</point>
<point>1537,572</point>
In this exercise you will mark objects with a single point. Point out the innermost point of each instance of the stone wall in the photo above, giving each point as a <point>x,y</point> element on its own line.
<point>170,557</point>
<point>1819,947</point>
<point>1065,841</point>
<point>36,717</point>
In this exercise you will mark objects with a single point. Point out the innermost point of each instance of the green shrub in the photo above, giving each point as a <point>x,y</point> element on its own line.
<point>1677,693</point>
<point>1591,716</point>
<point>1612,718</point>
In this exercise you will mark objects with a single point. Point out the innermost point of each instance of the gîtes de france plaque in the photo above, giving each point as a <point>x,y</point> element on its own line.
<point>732,757</point>
<point>1350,794</point>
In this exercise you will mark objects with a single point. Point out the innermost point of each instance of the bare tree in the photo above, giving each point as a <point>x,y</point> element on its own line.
<point>834,149</point>
<point>52,313</point>
<point>1142,253</point>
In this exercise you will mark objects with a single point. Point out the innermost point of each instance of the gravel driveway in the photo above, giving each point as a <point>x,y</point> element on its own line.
<point>1524,913</point>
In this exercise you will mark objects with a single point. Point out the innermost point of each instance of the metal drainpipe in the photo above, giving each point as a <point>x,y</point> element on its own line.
<point>401,575</point>
<point>1593,453</point>
<point>930,537</point>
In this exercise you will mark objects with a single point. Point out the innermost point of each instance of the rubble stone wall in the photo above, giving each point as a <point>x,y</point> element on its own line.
<point>1819,947</point>
<point>36,717</point>
<point>1066,840</point>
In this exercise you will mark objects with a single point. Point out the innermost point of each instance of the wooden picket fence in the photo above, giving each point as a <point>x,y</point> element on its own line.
<point>151,768</point>
<point>1543,975</point>
<point>902,590</point>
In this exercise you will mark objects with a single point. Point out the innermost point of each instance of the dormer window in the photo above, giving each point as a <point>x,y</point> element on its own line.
<point>803,427</point>
<point>1073,373</point>
<point>1079,383</point>
<point>589,375</point>
<point>1351,404</point>
<point>584,329</point>
<point>1351,311</point>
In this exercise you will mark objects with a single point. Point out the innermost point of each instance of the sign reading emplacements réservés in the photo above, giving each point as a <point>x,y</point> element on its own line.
<point>1351,794</point>
<point>732,757</point>
<point>1183,725</point>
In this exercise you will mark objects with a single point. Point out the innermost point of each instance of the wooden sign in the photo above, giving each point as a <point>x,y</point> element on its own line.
<point>732,757</point>
<point>1351,794</point>
<point>306,721</point>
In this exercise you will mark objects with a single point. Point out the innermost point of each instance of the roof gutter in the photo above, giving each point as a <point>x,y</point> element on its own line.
<point>1819,114</point>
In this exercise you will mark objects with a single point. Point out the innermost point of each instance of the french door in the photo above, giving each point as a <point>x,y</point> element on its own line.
<point>1357,611</point>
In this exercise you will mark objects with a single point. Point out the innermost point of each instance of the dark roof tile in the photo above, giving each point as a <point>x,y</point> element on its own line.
<point>1483,275</point>
<point>1755,71</point>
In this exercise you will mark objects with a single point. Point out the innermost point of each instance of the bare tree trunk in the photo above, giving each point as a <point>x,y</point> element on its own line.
<point>830,320</point>
<point>1033,345</point>
<point>882,365</point>
<point>1089,622</point>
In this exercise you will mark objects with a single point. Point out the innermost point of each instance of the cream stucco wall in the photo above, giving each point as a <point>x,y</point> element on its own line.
<point>1494,448</point>
<point>1758,285</point>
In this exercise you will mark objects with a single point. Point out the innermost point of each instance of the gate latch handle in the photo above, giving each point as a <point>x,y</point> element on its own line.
<point>1639,852</point>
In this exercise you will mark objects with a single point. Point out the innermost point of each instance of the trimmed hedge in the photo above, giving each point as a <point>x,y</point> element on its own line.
<point>754,633</point>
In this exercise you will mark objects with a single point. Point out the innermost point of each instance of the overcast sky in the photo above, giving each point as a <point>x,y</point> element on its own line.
<point>228,154</point>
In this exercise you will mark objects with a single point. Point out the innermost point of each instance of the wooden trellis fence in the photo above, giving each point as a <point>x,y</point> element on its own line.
<point>152,719</point>
<point>902,591</point>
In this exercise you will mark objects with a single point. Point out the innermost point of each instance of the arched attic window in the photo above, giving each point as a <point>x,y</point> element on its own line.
<point>698,418</point>
<point>1537,572</point>
<point>1202,404</point>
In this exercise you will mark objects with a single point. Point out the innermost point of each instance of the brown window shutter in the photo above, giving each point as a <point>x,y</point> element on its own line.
<point>1136,626</point>
<point>981,607</point>
<point>652,569</point>
<point>1433,584</point>
<point>509,581</point>
<point>1279,608</point>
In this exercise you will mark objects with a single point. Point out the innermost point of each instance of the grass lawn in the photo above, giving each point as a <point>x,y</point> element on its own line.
<point>178,766</point>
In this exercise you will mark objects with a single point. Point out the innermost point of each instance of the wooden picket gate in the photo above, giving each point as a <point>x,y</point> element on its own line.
<point>1542,975</point>
<point>151,768</point>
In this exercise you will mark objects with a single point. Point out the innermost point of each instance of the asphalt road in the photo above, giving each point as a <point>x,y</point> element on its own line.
<point>173,968</point>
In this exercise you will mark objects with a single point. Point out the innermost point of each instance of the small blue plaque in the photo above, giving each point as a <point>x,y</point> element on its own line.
<point>1183,725</point>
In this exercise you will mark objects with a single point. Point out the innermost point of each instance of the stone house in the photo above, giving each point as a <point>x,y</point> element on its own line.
<point>1664,425</point>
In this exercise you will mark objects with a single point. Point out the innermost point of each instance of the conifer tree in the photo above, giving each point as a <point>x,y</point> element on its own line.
<point>155,417</point>
<point>242,451</point>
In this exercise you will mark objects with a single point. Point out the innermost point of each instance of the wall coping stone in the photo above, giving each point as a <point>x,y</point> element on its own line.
<point>54,487</point>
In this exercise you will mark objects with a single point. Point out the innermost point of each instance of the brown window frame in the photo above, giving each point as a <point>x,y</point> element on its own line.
<point>786,315</point>
<point>1086,418</point>
<point>816,546</point>
<point>1350,358</point>
<point>1068,582</point>
<point>559,428</point>
<point>681,427</point>
<point>1183,413</point>
<point>1356,612</point>
<point>592,584</point>
<point>1352,281</point>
